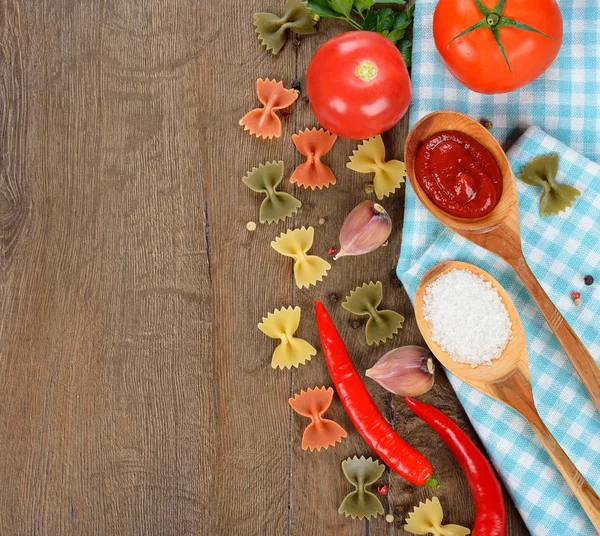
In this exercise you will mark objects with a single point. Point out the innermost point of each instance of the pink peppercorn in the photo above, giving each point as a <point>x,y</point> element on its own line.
<point>575,295</point>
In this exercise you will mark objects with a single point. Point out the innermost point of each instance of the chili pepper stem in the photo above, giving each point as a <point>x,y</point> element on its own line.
<point>432,482</point>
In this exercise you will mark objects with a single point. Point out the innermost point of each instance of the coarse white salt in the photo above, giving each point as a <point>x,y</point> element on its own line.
<point>467,317</point>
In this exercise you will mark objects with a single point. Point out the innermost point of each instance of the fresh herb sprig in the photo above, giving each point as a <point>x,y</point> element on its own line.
<point>367,15</point>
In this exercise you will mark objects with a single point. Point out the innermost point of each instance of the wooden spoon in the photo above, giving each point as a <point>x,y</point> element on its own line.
<point>499,233</point>
<point>507,380</point>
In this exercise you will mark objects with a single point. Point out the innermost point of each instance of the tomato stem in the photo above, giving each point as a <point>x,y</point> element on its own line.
<point>366,70</point>
<point>493,19</point>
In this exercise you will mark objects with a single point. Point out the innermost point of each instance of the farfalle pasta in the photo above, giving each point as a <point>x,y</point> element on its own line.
<point>264,122</point>
<point>313,144</point>
<point>542,171</point>
<point>427,519</point>
<point>369,157</point>
<point>321,432</point>
<point>361,473</point>
<point>308,269</point>
<point>277,205</point>
<point>291,351</point>
<point>272,30</point>
<point>365,300</point>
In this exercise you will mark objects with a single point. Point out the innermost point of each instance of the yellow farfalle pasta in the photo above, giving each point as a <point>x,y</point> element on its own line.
<point>308,269</point>
<point>291,351</point>
<point>369,157</point>
<point>427,519</point>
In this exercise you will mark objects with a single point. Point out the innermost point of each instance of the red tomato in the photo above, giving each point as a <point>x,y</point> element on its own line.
<point>358,85</point>
<point>530,30</point>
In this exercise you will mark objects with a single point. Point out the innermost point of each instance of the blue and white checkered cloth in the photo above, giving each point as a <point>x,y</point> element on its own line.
<point>561,249</point>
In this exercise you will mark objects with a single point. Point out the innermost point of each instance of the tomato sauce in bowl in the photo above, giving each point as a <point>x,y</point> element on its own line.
<point>459,174</point>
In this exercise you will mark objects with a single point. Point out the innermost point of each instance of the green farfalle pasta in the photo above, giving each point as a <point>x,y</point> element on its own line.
<point>264,179</point>
<point>542,171</point>
<point>272,30</point>
<point>365,300</point>
<point>361,473</point>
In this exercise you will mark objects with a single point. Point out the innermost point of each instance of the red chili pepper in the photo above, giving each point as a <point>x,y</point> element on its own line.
<point>368,420</point>
<point>490,511</point>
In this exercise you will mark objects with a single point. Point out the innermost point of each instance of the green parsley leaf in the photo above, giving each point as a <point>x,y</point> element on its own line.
<point>321,8</point>
<point>397,2</point>
<point>395,35</point>
<point>402,20</point>
<point>385,19</point>
<point>405,47</point>
<point>370,22</point>
<point>362,5</point>
<point>341,6</point>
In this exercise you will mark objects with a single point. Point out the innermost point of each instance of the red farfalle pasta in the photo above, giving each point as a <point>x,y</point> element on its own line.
<point>313,144</point>
<point>321,432</point>
<point>263,122</point>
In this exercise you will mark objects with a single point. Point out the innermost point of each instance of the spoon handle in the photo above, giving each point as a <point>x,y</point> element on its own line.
<point>582,490</point>
<point>582,360</point>
<point>516,392</point>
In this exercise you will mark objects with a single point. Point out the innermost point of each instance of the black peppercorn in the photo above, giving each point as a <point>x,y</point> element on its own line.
<point>588,280</point>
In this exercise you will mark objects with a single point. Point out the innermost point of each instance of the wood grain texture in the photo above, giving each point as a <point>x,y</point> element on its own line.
<point>137,396</point>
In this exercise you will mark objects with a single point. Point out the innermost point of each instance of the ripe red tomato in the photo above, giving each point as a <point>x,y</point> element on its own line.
<point>471,38</point>
<point>358,85</point>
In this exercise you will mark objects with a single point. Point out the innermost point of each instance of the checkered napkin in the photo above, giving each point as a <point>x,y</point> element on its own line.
<point>561,249</point>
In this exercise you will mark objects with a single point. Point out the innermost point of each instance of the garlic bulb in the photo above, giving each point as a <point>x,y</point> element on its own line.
<point>405,371</point>
<point>366,228</point>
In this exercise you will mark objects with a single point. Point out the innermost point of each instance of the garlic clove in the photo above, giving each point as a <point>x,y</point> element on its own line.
<point>405,371</point>
<point>365,229</point>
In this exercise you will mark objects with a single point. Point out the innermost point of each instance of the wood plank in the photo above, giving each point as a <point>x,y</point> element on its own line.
<point>107,286</point>
<point>317,482</point>
<point>249,280</point>
<point>312,513</point>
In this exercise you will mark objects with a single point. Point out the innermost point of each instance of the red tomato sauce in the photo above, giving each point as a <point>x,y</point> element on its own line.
<point>459,174</point>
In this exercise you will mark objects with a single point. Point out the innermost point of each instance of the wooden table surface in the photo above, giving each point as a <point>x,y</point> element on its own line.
<point>137,395</point>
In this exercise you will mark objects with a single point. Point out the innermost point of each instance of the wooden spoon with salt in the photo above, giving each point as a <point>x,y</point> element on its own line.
<point>499,233</point>
<point>507,380</point>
